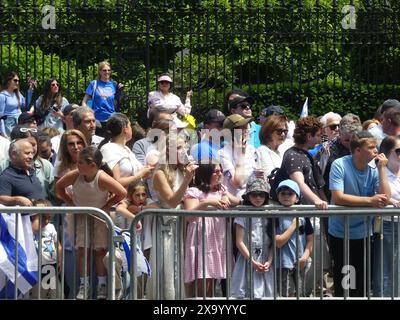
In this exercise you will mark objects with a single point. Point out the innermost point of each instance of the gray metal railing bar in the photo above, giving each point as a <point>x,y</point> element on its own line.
<point>40,262</point>
<point>72,210</point>
<point>273,212</point>
<point>203,251</point>
<point>16,258</point>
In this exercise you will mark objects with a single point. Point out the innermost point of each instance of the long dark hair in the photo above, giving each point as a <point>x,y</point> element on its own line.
<point>10,75</point>
<point>114,126</point>
<point>203,177</point>
<point>47,97</point>
<point>93,155</point>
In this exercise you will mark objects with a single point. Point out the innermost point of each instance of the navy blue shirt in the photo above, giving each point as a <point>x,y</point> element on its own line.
<point>16,182</point>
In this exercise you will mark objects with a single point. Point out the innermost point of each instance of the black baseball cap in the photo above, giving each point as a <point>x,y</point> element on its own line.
<point>69,108</point>
<point>26,117</point>
<point>269,111</point>
<point>239,99</point>
<point>389,104</point>
<point>214,115</point>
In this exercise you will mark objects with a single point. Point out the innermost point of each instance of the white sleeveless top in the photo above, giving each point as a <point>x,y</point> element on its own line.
<point>114,154</point>
<point>178,181</point>
<point>88,194</point>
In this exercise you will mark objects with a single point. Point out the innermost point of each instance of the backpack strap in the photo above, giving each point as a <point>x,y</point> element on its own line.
<point>316,170</point>
<point>94,89</point>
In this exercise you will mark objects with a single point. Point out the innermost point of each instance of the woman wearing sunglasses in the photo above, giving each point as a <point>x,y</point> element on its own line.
<point>103,95</point>
<point>11,103</point>
<point>272,134</point>
<point>49,106</point>
<point>386,245</point>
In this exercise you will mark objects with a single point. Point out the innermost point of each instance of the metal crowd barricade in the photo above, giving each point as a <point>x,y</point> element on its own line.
<point>62,211</point>
<point>266,212</point>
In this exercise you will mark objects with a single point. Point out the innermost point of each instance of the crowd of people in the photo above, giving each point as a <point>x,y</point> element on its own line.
<point>59,153</point>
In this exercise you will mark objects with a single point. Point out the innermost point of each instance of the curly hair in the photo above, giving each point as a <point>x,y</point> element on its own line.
<point>306,125</point>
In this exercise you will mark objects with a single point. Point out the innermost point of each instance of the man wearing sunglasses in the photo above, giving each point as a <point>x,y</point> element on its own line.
<point>242,105</point>
<point>330,122</point>
<point>330,130</point>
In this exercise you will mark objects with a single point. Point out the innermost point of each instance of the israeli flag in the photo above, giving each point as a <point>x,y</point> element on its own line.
<point>304,110</point>
<point>143,265</point>
<point>27,256</point>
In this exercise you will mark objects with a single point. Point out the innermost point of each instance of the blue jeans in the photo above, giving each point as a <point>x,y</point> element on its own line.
<point>390,257</point>
<point>10,123</point>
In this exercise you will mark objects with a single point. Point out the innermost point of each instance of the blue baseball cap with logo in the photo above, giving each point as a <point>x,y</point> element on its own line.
<point>290,184</point>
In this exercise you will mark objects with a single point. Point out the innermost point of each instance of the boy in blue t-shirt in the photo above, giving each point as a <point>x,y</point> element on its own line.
<point>289,255</point>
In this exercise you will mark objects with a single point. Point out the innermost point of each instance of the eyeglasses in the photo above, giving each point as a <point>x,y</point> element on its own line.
<point>16,80</point>
<point>23,129</point>
<point>333,126</point>
<point>217,171</point>
<point>257,194</point>
<point>280,131</point>
<point>54,84</point>
<point>164,82</point>
<point>397,151</point>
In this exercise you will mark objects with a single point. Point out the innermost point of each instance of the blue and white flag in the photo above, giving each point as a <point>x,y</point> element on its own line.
<point>143,265</point>
<point>27,256</point>
<point>304,110</point>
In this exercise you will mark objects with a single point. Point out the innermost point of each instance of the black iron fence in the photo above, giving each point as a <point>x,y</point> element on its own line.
<point>342,57</point>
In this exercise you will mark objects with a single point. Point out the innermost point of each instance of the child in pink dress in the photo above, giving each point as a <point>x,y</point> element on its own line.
<point>206,192</point>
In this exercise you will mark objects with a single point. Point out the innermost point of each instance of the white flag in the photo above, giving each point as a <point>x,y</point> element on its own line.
<point>143,265</point>
<point>304,111</point>
<point>27,256</point>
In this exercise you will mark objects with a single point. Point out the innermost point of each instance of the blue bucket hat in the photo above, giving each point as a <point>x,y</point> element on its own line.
<point>289,184</point>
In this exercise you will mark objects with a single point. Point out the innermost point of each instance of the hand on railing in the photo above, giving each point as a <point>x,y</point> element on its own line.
<point>320,204</point>
<point>396,204</point>
<point>379,200</point>
<point>22,201</point>
<point>138,226</point>
<point>219,204</point>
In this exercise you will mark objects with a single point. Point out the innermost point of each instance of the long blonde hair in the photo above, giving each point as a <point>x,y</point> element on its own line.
<point>167,168</point>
